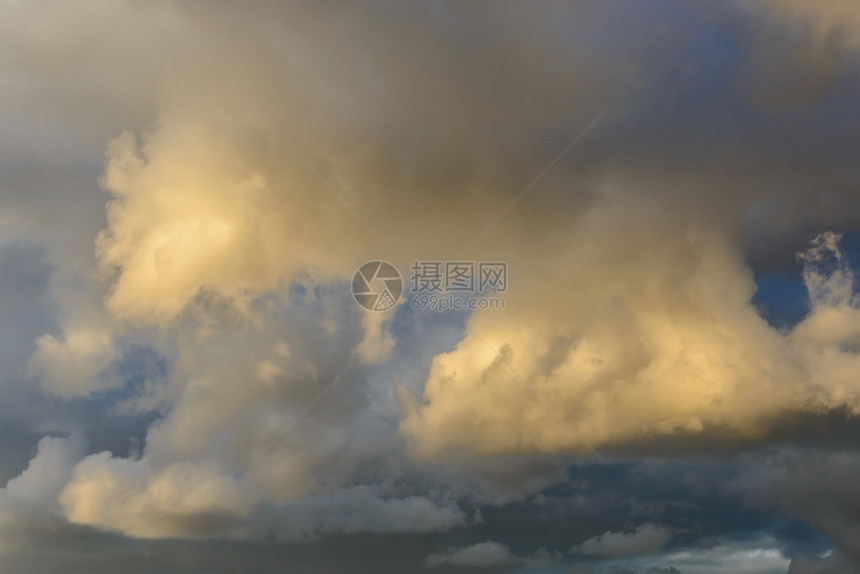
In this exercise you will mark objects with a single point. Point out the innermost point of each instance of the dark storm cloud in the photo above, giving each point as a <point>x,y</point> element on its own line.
<point>815,486</point>
<point>832,564</point>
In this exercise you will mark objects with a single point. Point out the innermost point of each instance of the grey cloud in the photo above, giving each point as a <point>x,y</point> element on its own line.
<point>482,555</point>
<point>645,540</point>
<point>816,486</point>
<point>362,509</point>
<point>492,555</point>
<point>834,563</point>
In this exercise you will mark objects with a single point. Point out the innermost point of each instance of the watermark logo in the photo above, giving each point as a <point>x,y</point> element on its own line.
<point>450,277</point>
<point>435,285</point>
<point>377,286</point>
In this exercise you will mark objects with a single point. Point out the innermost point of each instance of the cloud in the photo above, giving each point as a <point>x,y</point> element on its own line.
<point>71,366</point>
<point>124,496</point>
<point>364,509</point>
<point>814,486</point>
<point>758,555</point>
<point>833,563</point>
<point>255,154</point>
<point>653,335</point>
<point>489,554</point>
<point>761,556</point>
<point>482,555</point>
<point>828,17</point>
<point>30,500</point>
<point>188,216</point>
<point>646,540</point>
<point>378,341</point>
<point>132,498</point>
<point>26,309</point>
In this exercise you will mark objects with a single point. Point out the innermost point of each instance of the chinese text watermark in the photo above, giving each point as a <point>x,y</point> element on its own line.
<point>434,285</point>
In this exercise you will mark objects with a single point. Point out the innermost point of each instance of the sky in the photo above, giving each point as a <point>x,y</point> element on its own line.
<point>235,334</point>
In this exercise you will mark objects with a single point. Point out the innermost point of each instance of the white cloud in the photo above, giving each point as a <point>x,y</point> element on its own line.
<point>756,556</point>
<point>30,500</point>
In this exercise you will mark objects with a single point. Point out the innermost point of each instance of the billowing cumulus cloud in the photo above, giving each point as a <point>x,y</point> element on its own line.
<point>104,492</point>
<point>655,335</point>
<point>29,502</point>
<point>189,217</point>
